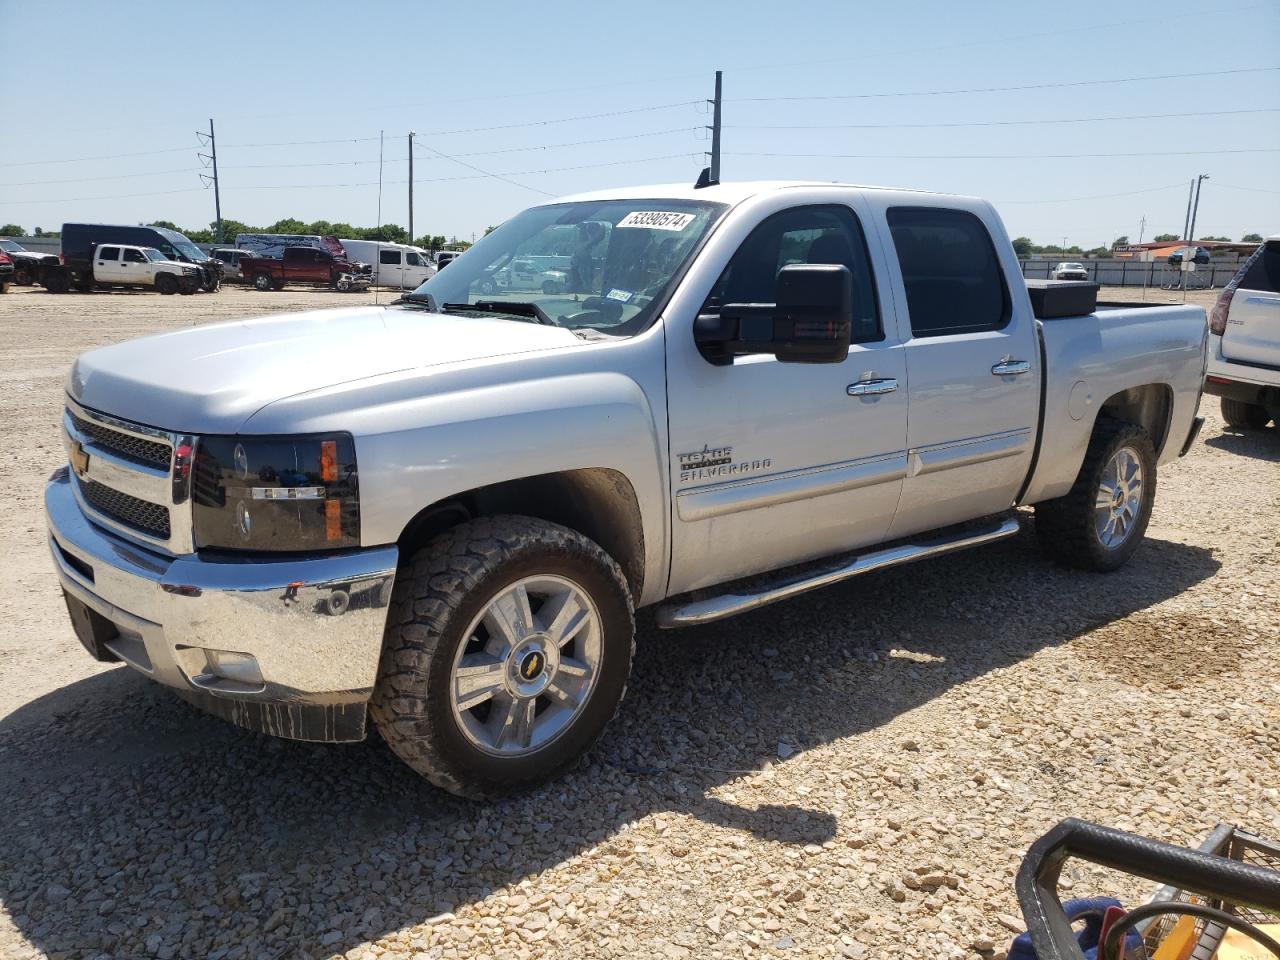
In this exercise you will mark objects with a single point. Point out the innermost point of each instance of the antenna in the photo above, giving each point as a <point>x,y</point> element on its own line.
<point>375,289</point>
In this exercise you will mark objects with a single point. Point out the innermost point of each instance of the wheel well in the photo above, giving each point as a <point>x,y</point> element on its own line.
<point>1150,406</point>
<point>596,502</point>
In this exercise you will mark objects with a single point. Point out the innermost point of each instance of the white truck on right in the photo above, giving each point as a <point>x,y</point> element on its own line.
<point>1244,346</point>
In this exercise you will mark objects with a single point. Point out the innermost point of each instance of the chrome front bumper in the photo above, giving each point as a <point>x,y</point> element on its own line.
<point>288,647</point>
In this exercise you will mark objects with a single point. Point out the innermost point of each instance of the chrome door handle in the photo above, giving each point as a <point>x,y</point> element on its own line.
<point>1011,368</point>
<point>872,388</point>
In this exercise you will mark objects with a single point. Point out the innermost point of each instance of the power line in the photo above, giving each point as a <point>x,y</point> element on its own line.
<point>995,123</point>
<point>495,176</point>
<point>1248,189</point>
<point>118,176</point>
<point>1005,156</point>
<point>109,156</point>
<point>1027,86</point>
<point>1100,196</point>
<point>585,116</point>
<point>119,196</point>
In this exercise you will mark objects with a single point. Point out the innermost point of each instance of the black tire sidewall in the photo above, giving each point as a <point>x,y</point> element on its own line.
<point>615,621</point>
<point>260,284</point>
<point>166,284</point>
<point>1137,440</point>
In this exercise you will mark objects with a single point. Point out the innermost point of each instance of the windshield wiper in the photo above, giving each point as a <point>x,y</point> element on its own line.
<point>424,300</point>
<point>514,308</point>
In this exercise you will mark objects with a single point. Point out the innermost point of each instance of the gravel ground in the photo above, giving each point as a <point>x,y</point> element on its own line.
<point>855,773</point>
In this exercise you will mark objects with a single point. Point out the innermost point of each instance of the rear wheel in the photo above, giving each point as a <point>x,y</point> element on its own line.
<point>4,287</point>
<point>263,281</point>
<point>1101,521</point>
<point>167,284</point>
<point>1239,413</point>
<point>56,282</point>
<point>508,646</point>
<point>84,286</point>
<point>22,276</point>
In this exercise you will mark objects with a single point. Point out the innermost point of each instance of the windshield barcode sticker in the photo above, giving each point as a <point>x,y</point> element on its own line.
<point>657,220</point>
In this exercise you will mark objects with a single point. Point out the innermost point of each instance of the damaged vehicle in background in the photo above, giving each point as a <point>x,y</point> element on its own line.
<point>80,242</point>
<point>26,263</point>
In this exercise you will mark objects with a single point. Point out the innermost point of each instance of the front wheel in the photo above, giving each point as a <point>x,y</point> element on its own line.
<point>1240,413</point>
<point>1100,522</point>
<point>508,646</point>
<point>167,284</point>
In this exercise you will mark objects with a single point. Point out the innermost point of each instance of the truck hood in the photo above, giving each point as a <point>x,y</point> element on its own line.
<point>211,379</point>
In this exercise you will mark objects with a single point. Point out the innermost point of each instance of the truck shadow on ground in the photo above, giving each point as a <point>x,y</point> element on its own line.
<point>1255,444</point>
<point>137,826</point>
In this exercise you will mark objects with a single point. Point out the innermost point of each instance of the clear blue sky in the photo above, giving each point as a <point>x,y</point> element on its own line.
<point>90,80</point>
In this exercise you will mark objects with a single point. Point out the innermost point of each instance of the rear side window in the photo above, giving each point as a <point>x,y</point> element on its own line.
<point>949,268</point>
<point>1263,272</point>
<point>389,256</point>
<point>109,253</point>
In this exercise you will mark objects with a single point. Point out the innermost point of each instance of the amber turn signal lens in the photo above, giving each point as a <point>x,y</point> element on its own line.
<point>329,461</point>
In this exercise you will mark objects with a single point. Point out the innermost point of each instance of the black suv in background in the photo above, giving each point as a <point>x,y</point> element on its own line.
<point>26,263</point>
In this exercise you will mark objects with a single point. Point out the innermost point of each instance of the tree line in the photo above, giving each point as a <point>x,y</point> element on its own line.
<point>1026,248</point>
<point>388,232</point>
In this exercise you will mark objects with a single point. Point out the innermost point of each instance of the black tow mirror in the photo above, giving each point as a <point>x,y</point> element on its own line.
<point>809,323</point>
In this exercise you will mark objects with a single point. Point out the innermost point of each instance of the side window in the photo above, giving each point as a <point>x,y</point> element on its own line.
<point>109,253</point>
<point>949,268</point>
<point>134,256</point>
<point>1263,272</point>
<point>817,234</point>
<point>391,257</point>
<point>413,259</point>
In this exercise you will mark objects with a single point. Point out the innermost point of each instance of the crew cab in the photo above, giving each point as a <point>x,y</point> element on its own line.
<point>443,513</point>
<point>308,266</point>
<point>121,265</point>
<point>1244,342</point>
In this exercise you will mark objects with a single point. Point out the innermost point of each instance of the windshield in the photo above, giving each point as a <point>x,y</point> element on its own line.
<point>154,255</point>
<point>600,264</point>
<point>190,251</point>
<point>10,247</point>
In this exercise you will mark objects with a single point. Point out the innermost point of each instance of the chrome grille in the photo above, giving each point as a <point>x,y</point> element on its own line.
<point>142,515</point>
<point>123,445</point>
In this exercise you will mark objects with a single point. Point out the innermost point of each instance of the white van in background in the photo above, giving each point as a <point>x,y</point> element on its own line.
<point>396,265</point>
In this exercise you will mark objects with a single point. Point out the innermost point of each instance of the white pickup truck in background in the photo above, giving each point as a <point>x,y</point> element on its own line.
<point>445,511</point>
<point>1244,347</point>
<point>122,265</point>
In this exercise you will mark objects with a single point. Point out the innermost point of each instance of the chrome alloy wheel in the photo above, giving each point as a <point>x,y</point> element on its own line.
<point>1119,499</point>
<point>527,667</point>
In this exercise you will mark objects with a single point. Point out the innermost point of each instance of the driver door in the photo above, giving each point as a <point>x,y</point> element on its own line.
<point>775,463</point>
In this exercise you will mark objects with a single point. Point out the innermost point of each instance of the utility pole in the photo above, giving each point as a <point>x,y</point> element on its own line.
<point>411,186</point>
<point>715,130</point>
<point>1191,234</point>
<point>1186,223</point>
<point>212,156</point>
<point>1142,228</point>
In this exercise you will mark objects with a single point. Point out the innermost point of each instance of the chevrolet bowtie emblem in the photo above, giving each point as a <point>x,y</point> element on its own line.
<point>79,460</point>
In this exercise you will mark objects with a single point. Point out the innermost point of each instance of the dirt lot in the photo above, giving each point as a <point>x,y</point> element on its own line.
<point>855,773</point>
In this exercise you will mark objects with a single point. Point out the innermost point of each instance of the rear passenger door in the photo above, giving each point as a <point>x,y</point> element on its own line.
<point>1252,333</point>
<point>973,366</point>
<point>106,266</point>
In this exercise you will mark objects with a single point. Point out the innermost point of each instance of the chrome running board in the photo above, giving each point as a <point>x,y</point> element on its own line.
<point>692,613</point>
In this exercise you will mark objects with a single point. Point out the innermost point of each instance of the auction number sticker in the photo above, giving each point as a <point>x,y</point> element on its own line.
<point>657,220</point>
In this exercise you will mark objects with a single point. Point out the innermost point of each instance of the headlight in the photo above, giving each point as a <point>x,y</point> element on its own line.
<point>276,493</point>
<point>190,271</point>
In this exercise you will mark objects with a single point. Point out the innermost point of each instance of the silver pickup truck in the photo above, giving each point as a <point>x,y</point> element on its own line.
<point>445,512</point>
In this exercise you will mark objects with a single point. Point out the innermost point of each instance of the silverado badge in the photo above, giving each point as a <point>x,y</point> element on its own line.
<point>79,459</point>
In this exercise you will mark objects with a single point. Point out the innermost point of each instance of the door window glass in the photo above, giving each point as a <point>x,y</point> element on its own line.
<point>413,259</point>
<point>816,234</point>
<point>391,257</point>
<point>950,271</point>
<point>109,253</point>
<point>134,256</point>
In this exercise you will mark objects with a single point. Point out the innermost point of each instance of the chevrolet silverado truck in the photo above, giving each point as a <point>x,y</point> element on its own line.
<point>309,266</point>
<point>442,514</point>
